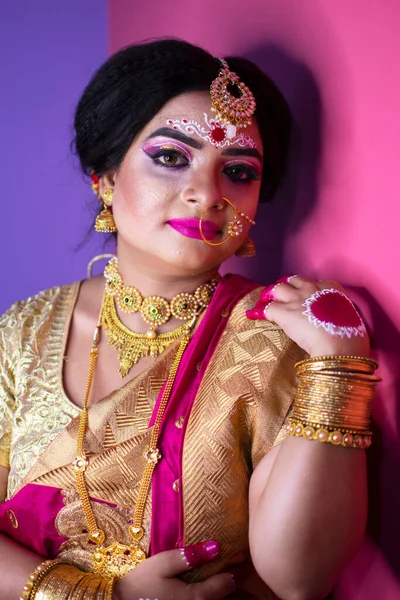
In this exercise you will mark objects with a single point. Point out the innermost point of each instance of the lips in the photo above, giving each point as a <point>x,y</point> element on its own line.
<point>190,228</point>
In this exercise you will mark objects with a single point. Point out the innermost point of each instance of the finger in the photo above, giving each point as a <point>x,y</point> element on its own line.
<point>269,311</point>
<point>265,294</point>
<point>178,561</point>
<point>305,285</point>
<point>272,292</point>
<point>214,588</point>
<point>330,283</point>
<point>285,278</point>
<point>241,572</point>
<point>283,292</point>
<point>257,312</point>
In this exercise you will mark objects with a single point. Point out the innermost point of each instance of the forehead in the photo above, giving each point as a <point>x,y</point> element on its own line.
<point>193,105</point>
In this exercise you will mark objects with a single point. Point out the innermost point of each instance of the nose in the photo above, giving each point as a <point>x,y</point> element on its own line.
<point>204,192</point>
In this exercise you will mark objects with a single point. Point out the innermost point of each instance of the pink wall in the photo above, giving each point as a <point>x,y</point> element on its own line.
<point>337,63</point>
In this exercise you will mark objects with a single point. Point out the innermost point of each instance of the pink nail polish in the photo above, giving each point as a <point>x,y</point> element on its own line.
<point>265,294</point>
<point>212,548</point>
<point>285,278</point>
<point>255,313</point>
<point>199,553</point>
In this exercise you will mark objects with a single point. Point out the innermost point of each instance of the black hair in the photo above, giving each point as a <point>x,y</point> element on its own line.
<point>136,82</point>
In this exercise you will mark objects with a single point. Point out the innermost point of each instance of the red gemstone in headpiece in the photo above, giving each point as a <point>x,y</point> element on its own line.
<point>94,178</point>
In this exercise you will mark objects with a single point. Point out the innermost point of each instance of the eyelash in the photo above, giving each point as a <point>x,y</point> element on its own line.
<point>251,174</point>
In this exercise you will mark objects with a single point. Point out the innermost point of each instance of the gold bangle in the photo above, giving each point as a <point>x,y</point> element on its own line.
<point>55,585</point>
<point>338,437</point>
<point>353,363</point>
<point>37,576</point>
<point>57,579</point>
<point>332,400</point>
<point>92,587</point>
<point>58,583</point>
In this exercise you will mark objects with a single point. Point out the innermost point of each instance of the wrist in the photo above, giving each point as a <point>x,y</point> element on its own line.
<point>362,351</point>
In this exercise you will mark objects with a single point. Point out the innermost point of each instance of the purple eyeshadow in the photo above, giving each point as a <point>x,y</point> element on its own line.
<point>152,147</point>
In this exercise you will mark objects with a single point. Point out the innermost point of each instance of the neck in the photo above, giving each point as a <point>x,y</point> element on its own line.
<point>153,280</point>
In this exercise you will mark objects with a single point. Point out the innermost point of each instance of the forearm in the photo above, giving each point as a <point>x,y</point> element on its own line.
<point>16,564</point>
<point>309,518</point>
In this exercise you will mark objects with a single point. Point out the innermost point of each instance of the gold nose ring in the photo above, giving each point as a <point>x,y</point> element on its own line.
<point>235,225</point>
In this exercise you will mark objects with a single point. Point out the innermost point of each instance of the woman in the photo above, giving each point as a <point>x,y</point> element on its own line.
<point>183,468</point>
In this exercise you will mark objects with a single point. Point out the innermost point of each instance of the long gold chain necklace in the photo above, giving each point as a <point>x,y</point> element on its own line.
<point>154,310</point>
<point>116,560</point>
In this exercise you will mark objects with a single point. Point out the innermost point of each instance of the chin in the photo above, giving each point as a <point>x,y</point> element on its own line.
<point>199,261</point>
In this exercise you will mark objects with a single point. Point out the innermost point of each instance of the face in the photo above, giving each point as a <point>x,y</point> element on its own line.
<point>169,179</point>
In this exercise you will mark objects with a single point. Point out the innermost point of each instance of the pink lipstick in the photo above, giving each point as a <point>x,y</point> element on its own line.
<point>190,228</point>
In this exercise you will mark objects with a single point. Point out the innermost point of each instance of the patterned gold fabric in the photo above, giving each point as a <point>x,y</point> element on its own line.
<point>236,419</point>
<point>115,443</point>
<point>33,404</point>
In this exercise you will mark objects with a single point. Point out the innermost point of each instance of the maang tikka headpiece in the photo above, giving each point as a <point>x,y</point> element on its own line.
<point>232,113</point>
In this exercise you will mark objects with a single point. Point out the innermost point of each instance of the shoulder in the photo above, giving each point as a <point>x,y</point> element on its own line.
<point>33,310</point>
<point>257,335</point>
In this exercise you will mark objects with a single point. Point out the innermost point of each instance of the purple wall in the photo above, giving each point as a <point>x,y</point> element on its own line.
<point>48,52</point>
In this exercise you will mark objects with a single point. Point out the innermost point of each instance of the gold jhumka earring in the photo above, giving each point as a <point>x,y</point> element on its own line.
<point>247,249</point>
<point>105,220</point>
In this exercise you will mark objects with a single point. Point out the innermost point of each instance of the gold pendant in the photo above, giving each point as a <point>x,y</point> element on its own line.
<point>117,560</point>
<point>133,346</point>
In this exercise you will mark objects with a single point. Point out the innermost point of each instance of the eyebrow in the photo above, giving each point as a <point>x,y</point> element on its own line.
<point>181,137</point>
<point>242,152</point>
<point>177,135</point>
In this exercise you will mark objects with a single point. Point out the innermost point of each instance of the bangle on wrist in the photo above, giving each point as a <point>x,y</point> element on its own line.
<point>58,580</point>
<point>332,401</point>
<point>37,576</point>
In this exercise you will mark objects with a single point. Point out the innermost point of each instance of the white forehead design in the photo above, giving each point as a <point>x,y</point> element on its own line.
<point>217,133</point>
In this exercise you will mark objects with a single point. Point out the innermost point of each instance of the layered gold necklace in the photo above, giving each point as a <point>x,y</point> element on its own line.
<point>154,310</point>
<point>115,560</point>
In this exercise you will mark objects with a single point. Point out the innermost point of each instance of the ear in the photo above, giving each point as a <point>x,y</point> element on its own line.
<point>106,182</point>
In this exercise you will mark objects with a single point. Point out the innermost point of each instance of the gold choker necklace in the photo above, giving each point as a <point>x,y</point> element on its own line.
<point>154,310</point>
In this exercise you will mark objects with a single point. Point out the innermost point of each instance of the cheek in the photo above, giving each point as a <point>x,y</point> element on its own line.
<point>139,198</point>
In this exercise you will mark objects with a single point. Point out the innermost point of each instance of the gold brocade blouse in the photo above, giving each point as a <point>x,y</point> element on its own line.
<point>33,405</point>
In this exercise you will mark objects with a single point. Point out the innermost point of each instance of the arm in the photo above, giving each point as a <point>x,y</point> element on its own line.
<point>16,562</point>
<point>308,500</point>
<point>307,516</point>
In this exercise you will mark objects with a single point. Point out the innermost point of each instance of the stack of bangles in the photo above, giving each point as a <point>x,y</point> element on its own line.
<point>333,398</point>
<point>56,579</point>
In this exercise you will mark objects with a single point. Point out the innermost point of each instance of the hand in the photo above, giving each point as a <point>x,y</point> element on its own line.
<point>317,315</point>
<point>157,578</point>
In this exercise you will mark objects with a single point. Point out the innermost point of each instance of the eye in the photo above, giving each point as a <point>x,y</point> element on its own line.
<point>168,157</point>
<point>241,173</point>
